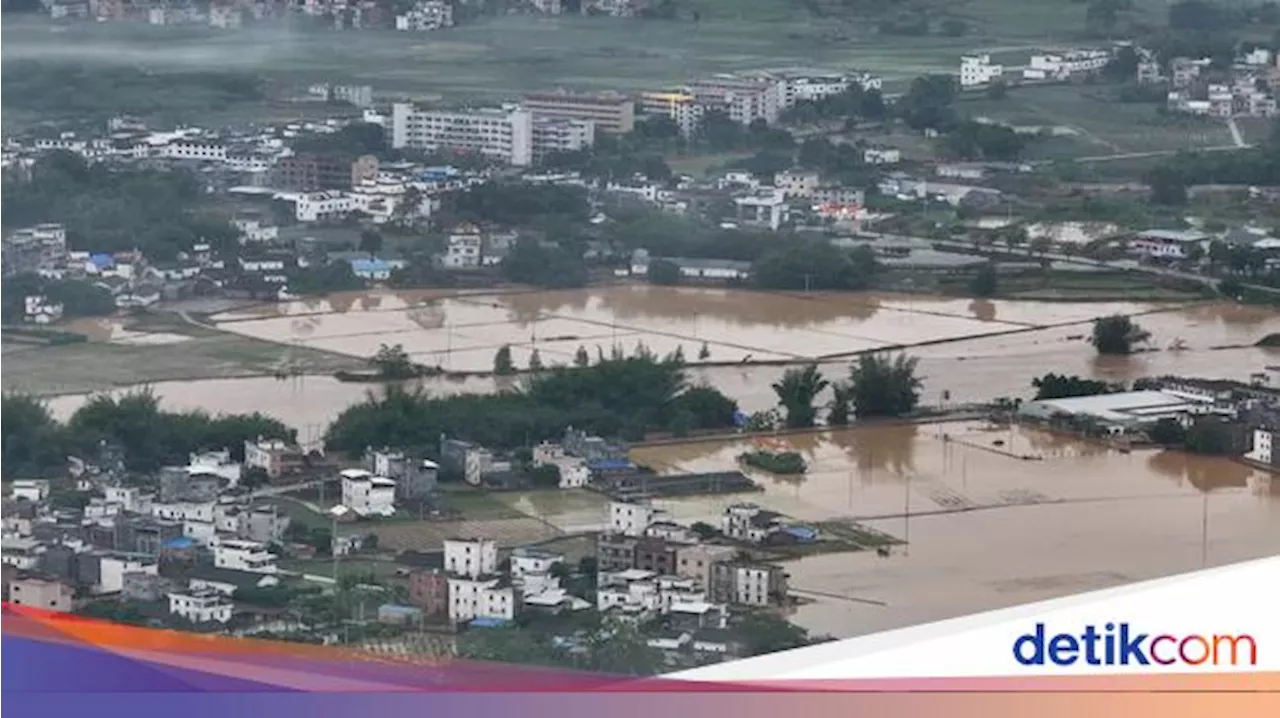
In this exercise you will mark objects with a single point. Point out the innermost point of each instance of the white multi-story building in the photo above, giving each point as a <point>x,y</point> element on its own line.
<point>978,70</point>
<point>319,206</point>
<point>574,472</point>
<point>33,490</point>
<point>226,17</point>
<point>183,511</point>
<point>253,230</point>
<point>471,598</point>
<point>464,248</point>
<point>797,183</point>
<point>810,87</point>
<point>1061,65</point>
<point>503,133</point>
<point>557,134</point>
<point>130,498</point>
<point>632,519</point>
<point>1262,443</point>
<point>743,99</point>
<point>749,522</point>
<point>527,562</point>
<point>201,606</point>
<point>111,571</point>
<point>244,556</point>
<point>368,495</point>
<point>472,558</point>
<point>216,463</point>
<point>426,15</point>
<point>680,106</point>
<point>637,592</point>
<point>37,309</point>
<point>194,150</point>
<point>881,156</point>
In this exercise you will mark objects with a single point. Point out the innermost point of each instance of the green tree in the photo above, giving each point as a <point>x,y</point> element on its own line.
<point>33,441</point>
<point>664,272</point>
<point>371,242</point>
<point>1209,436</point>
<point>581,358</point>
<point>529,262</point>
<point>838,408</point>
<point>393,362</point>
<point>545,476</point>
<point>1168,185</point>
<point>502,363</point>
<point>766,633</point>
<point>928,102</point>
<point>884,385</point>
<point>535,361</point>
<point>1061,386</point>
<point>985,282</point>
<point>704,530</point>
<point>704,353</point>
<point>1117,334</point>
<point>254,477</point>
<point>797,390</point>
<point>813,264</point>
<point>1167,432</point>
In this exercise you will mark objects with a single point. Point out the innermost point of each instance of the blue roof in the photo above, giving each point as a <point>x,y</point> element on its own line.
<point>370,265</point>
<point>402,610</point>
<point>804,533</point>
<point>485,622</point>
<point>740,418</point>
<point>610,464</point>
<point>102,261</point>
<point>179,542</point>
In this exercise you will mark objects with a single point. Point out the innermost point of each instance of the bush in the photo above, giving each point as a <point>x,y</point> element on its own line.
<point>786,462</point>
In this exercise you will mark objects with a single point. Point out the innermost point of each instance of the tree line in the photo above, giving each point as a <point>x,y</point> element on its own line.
<point>113,209</point>
<point>878,385</point>
<point>37,445</point>
<point>625,397</point>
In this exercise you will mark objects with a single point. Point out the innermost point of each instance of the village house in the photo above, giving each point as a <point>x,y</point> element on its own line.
<point>367,495</point>
<point>749,522</point>
<point>42,594</point>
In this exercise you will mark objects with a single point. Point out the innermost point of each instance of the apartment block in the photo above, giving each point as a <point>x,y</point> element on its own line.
<point>609,111</point>
<point>504,133</point>
<point>743,99</point>
<point>552,135</point>
<point>976,70</point>
<point>748,584</point>
<point>311,172</point>
<point>677,105</point>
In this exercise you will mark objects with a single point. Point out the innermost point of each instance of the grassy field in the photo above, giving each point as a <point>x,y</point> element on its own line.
<point>502,57</point>
<point>1102,127</point>
<point>107,361</point>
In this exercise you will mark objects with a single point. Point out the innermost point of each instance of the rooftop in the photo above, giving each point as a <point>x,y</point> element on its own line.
<point>1120,407</point>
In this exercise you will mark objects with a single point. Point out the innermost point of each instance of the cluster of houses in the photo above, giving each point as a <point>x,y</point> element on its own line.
<point>1246,89</point>
<point>413,16</point>
<point>184,544</point>
<point>193,547</point>
<point>650,571</point>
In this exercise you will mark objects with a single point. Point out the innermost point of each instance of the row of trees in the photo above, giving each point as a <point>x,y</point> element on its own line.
<point>35,444</point>
<point>614,397</point>
<point>77,297</point>
<point>114,210</point>
<point>879,385</point>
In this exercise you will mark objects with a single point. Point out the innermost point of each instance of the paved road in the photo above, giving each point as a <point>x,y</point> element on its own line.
<point>1120,265</point>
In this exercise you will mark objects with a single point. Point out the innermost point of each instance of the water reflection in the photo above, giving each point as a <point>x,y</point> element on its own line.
<point>1203,472</point>
<point>983,309</point>
<point>885,450</point>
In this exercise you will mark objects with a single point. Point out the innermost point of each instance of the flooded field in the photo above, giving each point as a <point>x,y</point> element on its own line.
<point>986,529</point>
<point>1216,341</point>
<point>462,333</point>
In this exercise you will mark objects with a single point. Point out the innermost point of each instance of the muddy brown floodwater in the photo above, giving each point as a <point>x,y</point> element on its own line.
<point>464,332</point>
<point>984,528</point>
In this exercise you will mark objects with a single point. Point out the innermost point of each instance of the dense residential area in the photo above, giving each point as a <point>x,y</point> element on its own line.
<point>631,335</point>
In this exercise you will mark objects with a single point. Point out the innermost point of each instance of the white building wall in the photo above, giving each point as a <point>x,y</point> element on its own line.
<point>474,558</point>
